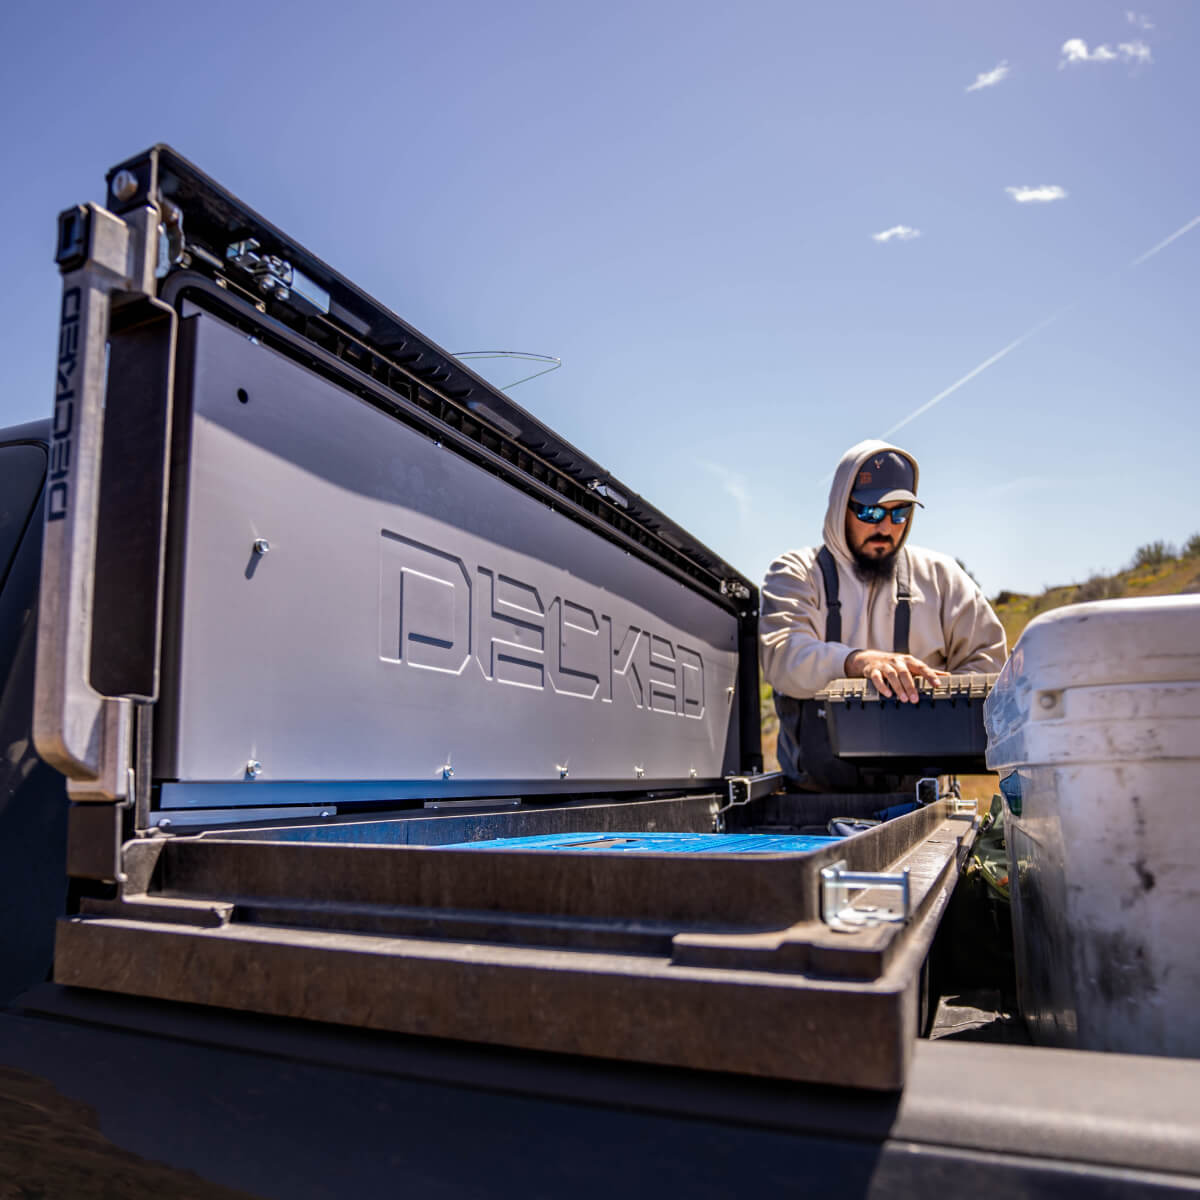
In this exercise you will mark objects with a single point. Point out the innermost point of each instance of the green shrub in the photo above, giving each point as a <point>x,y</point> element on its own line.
<point>1191,548</point>
<point>1153,554</point>
<point>1099,587</point>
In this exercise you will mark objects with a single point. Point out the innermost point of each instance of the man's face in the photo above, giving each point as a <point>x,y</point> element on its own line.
<point>874,543</point>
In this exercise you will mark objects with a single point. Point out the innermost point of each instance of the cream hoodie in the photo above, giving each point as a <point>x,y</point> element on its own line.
<point>953,626</point>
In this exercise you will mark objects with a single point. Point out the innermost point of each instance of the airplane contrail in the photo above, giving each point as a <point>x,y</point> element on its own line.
<point>1141,258</point>
<point>995,358</point>
<point>983,366</point>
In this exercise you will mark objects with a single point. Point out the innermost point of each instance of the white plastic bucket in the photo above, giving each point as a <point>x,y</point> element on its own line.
<point>1094,726</point>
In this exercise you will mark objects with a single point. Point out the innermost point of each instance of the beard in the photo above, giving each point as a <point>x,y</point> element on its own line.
<point>868,568</point>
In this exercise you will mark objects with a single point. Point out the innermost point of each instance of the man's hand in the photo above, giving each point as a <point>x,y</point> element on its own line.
<point>892,674</point>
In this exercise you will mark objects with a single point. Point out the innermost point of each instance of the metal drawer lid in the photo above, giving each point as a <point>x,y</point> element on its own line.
<point>970,687</point>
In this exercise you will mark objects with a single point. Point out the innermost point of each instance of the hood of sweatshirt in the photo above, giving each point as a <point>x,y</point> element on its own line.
<point>839,496</point>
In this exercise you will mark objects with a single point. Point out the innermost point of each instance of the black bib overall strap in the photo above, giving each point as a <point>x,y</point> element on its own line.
<point>804,749</point>
<point>833,606</point>
<point>903,616</point>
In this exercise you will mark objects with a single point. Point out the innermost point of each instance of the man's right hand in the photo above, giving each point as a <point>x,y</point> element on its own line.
<point>892,674</point>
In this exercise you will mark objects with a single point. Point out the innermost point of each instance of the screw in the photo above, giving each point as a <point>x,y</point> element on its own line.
<point>326,812</point>
<point>124,185</point>
<point>563,772</point>
<point>253,768</point>
<point>165,823</point>
<point>639,771</point>
<point>261,545</point>
<point>447,771</point>
<point>693,772</point>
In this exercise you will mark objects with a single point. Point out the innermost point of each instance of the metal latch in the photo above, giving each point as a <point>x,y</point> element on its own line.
<point>837,910</point>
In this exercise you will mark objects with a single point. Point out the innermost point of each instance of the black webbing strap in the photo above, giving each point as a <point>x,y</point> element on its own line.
<point>903,603</point>
<point>833,619</point>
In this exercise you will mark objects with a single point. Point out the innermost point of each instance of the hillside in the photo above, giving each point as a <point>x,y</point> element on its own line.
<point>1157,569</point>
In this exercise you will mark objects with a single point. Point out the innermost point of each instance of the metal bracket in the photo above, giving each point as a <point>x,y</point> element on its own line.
<point>609,492</point>
<point>838,911</point>
<point>959,807</point>
<point>743,789</point>
<point>272,274</point>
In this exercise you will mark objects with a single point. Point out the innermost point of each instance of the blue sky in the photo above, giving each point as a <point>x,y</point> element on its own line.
<point>679,200</point>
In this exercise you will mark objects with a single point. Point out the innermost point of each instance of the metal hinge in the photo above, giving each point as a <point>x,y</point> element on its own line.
<point>839,912</point>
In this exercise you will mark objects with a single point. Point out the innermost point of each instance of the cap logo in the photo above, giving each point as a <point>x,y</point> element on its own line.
<point>864,477</point>
<point>879,464</point>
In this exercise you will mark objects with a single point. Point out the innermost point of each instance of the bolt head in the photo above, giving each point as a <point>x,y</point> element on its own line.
<point>124,185</point>
<point>447,772</point>
<point>261,546</point>
<point>253,769</point>
<point>164,823</point>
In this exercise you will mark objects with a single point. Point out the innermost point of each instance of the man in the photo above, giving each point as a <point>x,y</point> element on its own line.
<point>899,613</point>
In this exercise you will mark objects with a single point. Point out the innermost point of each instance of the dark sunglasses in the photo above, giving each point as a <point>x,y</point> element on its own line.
<point>872,514</point>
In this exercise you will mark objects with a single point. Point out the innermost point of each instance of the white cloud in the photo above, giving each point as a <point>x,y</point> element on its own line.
<point>1140,20</point>
<point>990,78</point>
<point>1037,195</point>
<point>904,233</point>
<point>1075,50</point>
<point>1135,52</point>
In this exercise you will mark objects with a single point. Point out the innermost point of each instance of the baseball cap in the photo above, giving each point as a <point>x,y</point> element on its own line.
<point>882,478</point>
